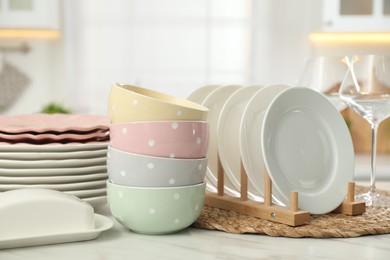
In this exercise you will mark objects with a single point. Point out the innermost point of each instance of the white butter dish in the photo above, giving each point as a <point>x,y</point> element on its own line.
<point>31,217</point>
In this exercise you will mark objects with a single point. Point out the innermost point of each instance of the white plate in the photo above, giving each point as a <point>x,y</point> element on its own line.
<point>53,155</point>
<point>228,137</point>
<point>59,187</point>
<point>53,171</point>
<point>200,94</point>
<point>102,223</point>
<point>52,179</point>
<point>250,136</point>
<point>308,148</point>
<point>54,147</point>
<point>88,194</point>
<point>214,102</point>
<point>96,201</point>
<point>65,163</point>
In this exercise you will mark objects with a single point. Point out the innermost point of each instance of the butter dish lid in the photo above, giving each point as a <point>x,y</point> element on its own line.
<point>31,217</point>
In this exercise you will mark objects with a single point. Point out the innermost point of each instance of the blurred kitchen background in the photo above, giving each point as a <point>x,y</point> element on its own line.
<point>70,52</point>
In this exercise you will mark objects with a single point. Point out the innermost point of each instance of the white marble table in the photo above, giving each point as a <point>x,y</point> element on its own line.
<point>192,243</point>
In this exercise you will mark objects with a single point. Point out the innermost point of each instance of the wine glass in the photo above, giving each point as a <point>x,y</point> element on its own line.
<point>325,75</point>
<point>366,89</point>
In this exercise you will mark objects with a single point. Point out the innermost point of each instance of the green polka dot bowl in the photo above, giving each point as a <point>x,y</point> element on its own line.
<point>156,210</point>
<point>127,103</point>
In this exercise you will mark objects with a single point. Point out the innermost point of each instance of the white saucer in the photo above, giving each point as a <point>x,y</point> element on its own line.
<point>228,137</point>
<point>307,148</point>
<point>102,223</point>
<point>214,102</point>
<point>250,136</point>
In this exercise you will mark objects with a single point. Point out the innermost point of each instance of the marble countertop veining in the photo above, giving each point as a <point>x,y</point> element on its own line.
<point>193,243</point>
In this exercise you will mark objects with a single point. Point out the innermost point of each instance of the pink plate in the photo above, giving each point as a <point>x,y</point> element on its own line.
<point>52,122</point>
<point>45,136</point>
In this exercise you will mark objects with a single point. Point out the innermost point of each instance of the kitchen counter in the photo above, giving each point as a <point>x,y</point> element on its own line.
<point>193,243</point>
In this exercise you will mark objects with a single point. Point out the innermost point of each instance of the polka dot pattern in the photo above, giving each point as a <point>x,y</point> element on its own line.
<point>151,142</point>
<point>153,211</point>
<point>169,139</point>
<point>175,125</point>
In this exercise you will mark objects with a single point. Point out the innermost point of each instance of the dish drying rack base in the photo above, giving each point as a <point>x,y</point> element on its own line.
<point>291,215</point>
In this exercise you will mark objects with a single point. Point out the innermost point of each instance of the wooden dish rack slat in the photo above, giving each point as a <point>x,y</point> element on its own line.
<point>291,215</point>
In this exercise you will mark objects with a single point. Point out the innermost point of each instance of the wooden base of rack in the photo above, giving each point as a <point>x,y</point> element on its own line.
<point>258,209</point>
<point>291,216</point>
<point>351,207</point>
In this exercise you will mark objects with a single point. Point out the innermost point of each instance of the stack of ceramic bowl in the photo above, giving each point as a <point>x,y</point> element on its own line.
<point>156,160</point>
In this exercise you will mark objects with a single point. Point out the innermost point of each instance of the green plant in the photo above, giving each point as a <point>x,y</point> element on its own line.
<point>55,108</point>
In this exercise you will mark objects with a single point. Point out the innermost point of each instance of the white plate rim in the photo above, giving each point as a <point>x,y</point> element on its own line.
<point>241,95</point>
<point>200,94</point>
<point>53,171</point>
<point>222,93</point>
<point>257,104</point>
<point>330,197</point>
<point>60,186</point>
<point>52,179</point>
<point>54,155</point>
<point>23,147</point>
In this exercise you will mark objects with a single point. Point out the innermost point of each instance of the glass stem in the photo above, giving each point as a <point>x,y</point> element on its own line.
<point>374,130</point>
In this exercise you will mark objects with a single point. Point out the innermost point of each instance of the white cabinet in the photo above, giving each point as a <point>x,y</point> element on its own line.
<point>356,15</point>
<point>30,14</point>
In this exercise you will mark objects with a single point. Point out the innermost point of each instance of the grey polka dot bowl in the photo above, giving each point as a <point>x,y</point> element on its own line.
<point>127,103</point>
<point>174,139</point>
<point>156,210</point>
<point>139,170</point>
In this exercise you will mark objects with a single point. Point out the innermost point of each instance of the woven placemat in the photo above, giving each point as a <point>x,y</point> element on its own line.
<point>376,220</point>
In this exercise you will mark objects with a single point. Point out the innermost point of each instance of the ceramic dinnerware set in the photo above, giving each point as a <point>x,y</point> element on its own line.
<point>62,152</point>
<point>295,134</point>
<point>156,159</point>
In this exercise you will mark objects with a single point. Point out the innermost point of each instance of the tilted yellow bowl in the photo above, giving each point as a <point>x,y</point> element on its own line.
<point>129,103</point>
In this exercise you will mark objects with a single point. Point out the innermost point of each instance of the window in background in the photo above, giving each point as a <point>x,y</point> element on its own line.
<point>356,7</point>
<point>20,5</point>
<point>386,7</point>
<point>174,46</point>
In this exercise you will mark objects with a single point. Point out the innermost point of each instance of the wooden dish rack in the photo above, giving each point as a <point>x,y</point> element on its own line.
<point>291,215</point>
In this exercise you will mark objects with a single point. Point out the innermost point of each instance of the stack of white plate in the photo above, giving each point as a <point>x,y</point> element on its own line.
<point>295,134</point>
<point>60,152</point>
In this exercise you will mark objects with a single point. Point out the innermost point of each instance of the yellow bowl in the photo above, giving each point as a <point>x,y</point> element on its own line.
<point>130,103</point>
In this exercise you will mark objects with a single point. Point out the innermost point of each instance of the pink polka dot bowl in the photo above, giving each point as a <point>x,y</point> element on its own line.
<point>131,169</point>
<point>127,103</point>
<point>173,139</point>
<point>156,210</point>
